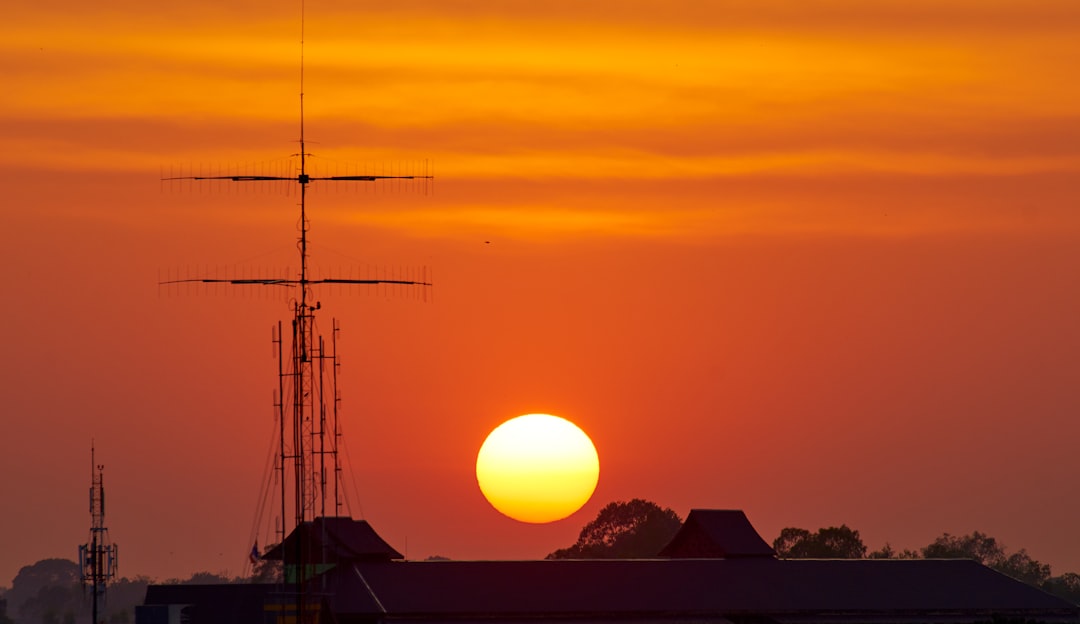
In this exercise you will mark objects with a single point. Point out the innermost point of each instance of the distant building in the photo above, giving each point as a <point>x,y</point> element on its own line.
<point>716,570</point>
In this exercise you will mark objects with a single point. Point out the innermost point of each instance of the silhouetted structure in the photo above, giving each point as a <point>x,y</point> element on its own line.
<point>205,604</point>
<point>717,533</point>
<point>98,557</point>
<point>307,397</point>
<point>323,543</point>
<point>689,584</point>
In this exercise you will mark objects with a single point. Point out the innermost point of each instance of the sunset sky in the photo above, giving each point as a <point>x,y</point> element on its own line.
<point>818,261</point>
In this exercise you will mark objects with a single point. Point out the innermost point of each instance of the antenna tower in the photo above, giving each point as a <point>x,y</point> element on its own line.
<point>97,557</point>
<point>307,397</point>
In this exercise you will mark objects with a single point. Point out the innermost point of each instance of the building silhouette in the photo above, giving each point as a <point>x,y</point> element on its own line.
<point>716,570</point>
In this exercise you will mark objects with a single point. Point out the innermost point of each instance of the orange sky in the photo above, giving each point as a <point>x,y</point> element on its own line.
<point>817,262</point>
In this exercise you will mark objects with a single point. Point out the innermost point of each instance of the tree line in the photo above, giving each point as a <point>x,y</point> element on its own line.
<point>640,528</point>
<point>49,591</point>
<point>843,542</point>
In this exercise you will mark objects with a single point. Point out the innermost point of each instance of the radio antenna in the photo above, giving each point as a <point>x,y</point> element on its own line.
<point>307,393</point>
<point>97,557</point>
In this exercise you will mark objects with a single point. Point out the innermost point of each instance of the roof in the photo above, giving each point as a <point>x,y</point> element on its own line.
<point>436,590</point>
<point>214,604</point>
<point>725,533</point>
<point>332,540</point>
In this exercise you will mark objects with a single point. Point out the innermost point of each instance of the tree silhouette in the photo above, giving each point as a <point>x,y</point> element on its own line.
<point>267,570</point>
<point>789,544</point>
<point>207,578</point>
<point>50,592</point>
<point>888,552</point>
<point>1066,586</point>
<point>978,546</point>
<point>1022,567</point>
<point>624,530</point>
<point>829,543</point>
<point>46,590</point>
<point>989,552</point>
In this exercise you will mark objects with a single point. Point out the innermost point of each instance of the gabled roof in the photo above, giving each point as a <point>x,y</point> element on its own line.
<point>333,540</point>
<point>575,589</point>
<point>717,533</point>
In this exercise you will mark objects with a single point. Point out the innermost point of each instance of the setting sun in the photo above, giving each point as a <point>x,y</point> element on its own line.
<point>537,468</point>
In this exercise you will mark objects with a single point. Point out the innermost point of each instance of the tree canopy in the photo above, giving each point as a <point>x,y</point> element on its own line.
<point>978,546</point>
<point>624,530</point>
<point>989,552</point>
<point>45,590</point>
<point>888,552</point>
<point>828,543</point>
<point>1066,586</point>
<point>51,592</point>
<point>844,543</point>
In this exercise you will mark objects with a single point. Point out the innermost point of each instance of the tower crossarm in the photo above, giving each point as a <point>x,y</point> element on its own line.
<point>205,280</point>
<point>372,178</point>
<point>303,178</point>
<point>294,282</point>
<point>335,280</point>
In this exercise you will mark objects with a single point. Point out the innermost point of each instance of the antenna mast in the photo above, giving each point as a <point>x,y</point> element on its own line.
<point>98,557</point>
<point>308,381</point>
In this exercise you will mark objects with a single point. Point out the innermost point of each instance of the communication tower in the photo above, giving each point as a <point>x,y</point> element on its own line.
<point>307,396</point>
<point>97,557</point>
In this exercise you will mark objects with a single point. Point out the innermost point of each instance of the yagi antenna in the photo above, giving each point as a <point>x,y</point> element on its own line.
<point>303,179</point>
<point>307,391</point>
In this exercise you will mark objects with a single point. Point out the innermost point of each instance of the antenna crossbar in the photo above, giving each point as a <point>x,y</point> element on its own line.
<point>304,178</point>
<point>288,282</point>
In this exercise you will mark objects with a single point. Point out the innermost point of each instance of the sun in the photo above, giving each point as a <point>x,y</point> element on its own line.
<point>537,468</point>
